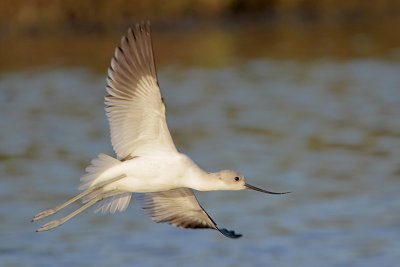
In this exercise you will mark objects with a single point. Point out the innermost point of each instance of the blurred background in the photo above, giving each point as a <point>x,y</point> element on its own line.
<point>298,95</point>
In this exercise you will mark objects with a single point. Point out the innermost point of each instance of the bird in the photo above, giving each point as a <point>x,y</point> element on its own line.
<point>147,161</point>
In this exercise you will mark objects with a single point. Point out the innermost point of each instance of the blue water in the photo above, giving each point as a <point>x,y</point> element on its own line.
<point>326,130</point>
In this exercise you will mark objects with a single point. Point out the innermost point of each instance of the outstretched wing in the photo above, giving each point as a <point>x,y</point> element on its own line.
<point>180,208</point>
<point>134,105</point>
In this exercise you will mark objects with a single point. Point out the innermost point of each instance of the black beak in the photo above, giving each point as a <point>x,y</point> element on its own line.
<point>264,191</point>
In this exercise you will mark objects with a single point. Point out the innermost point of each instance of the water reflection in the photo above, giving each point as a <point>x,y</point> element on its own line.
<point>326,130</point>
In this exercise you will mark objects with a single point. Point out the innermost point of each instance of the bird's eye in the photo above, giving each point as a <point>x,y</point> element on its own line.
<point>237,178</point>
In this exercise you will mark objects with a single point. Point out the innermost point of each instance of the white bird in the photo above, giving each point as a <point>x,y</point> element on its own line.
<point>147,159</point>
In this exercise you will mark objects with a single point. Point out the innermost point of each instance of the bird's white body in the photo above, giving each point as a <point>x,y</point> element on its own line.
<point>153,173</point>
<point>147,160</point>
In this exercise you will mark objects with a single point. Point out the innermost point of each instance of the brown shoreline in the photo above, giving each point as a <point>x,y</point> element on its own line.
<point>30,39</point>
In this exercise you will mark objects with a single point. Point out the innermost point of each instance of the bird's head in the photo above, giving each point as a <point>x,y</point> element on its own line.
<point>232,180</point>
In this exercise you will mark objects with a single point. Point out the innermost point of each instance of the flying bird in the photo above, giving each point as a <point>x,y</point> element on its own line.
<point>147,160</point>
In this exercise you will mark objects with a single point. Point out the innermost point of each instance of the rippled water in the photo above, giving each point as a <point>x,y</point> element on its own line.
<point>326,130</point>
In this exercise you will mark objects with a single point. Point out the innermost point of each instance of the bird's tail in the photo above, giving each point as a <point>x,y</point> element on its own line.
<point>97,167</point>
<point>113,203</point>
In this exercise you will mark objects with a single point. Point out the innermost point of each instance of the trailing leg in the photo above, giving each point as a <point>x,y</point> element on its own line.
<point>98,186</point>
<point>56,223</point>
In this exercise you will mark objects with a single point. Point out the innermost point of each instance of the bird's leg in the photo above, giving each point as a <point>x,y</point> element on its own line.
<point>56,223</point>
<point>51,211</point>
<point>98,186</point>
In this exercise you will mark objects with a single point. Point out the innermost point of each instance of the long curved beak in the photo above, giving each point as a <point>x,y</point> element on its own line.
<point>264,191</point>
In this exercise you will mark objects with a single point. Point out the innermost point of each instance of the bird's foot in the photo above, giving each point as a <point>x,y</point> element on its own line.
<point>50,225</point>
<point>43,214</point>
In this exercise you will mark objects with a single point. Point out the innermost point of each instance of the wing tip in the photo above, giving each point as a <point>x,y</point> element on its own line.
<point>229,233</point>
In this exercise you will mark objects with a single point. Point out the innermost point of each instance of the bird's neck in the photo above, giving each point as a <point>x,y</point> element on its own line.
<point>203,181</point>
